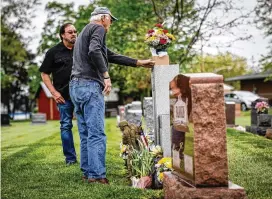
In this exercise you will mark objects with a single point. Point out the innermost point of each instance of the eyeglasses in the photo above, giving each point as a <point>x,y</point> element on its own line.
<point>71,32</point>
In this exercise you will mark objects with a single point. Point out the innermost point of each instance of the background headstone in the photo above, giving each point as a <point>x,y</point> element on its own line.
<point>133,112</point>
<point>38,118</point>
<point>5,120</point>
<point>148,115</point>
<point>230,113</point>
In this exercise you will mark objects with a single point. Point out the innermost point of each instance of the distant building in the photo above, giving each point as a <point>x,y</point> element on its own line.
<point>255,83</point>
<point>227,88</point>
<point>46,103</point>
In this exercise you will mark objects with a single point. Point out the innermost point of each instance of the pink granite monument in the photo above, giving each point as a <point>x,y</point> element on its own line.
<point>199,151</point>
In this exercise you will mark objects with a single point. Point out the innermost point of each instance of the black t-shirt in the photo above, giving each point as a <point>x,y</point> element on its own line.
<point>58,61</point>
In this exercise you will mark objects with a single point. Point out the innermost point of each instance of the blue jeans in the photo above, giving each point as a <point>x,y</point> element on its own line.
<point>89,109</point>
<point>66,116</point>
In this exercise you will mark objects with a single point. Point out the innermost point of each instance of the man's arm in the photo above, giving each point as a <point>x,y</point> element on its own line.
<point>127,61</point>
<point>56,95</point>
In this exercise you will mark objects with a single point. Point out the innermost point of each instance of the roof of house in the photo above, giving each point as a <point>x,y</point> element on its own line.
<point>228,87</point>
<point>249,76</point>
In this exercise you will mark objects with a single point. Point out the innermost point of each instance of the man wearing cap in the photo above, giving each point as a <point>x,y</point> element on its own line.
<point>89,81</point>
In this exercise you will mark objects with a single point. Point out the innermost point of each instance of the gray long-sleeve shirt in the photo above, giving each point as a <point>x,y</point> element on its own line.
<point>91,56</point>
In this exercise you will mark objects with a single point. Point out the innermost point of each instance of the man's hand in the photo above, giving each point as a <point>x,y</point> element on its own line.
<point>107,88</point>
<point>147,63</point>
<point>58,98</point>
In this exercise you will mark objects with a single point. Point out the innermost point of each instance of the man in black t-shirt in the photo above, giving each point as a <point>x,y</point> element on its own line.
<point>58,61</point>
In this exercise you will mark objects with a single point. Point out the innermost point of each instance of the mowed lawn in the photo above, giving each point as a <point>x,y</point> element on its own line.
<point>33,165</point>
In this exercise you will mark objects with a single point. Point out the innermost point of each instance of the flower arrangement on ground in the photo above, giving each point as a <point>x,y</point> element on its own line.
<point>156,151</point>
<point>141,163</point>
<point>158,38</point>
<point>164,164</point>
<point>262,107</point>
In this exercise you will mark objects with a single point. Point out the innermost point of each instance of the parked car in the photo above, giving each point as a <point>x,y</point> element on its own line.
<point>245,98</point>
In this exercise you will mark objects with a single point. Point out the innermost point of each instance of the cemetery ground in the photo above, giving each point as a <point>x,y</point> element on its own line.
<point>33,167</point>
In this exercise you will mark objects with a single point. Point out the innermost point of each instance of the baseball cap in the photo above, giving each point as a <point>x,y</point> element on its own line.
<point>103,10</point>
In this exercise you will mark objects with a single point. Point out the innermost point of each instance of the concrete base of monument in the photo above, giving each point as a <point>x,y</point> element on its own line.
<point>176,188</point>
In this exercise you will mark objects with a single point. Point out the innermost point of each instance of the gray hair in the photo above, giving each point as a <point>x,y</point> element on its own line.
<point>97,17</point>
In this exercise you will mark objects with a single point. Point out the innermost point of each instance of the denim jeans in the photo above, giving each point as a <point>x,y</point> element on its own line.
<point>66,116</point>
<point>89,109</point>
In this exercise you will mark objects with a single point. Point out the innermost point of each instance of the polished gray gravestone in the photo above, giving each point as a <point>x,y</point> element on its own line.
<point>160,77</point>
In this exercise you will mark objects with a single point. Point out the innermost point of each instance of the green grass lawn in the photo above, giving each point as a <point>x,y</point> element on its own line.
<point>244,119</point>
<point>33,165</point>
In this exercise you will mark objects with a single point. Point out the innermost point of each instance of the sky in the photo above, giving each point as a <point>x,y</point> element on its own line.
<point>251,50</point>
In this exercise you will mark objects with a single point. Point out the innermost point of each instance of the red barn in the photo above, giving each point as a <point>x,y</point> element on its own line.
<point>46,103</point>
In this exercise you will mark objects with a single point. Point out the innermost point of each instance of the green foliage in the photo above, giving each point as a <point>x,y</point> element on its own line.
<point>57,15</point>
<point>15,57</point>
<point>141,162</point>
<point>186,20</point>
<point>226,64</point>
<point>34,80</point>
<point>126,37</point>
<point>264,21</point>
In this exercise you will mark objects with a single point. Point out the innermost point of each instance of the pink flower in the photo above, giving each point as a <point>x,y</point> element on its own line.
<point>151,31</point>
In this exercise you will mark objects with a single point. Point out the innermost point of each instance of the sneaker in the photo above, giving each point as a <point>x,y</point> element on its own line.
<point>100,180</point>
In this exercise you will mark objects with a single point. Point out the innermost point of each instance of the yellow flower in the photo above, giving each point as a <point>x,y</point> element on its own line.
<point>164,160</point>
<point>123,149</point>
<point>159,32</point>
<point>170,36</point>
<point>168,164</point>
<point>161,176</point>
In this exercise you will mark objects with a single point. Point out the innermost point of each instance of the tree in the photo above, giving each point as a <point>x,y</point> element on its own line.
<point>34,80</point>
<point>226,64</point>
<point>57,15</point>
<point>125,37</point>
<point>193,21</point>
<point>263,20</point>
<point>14,54</point>
<point>188,20</point>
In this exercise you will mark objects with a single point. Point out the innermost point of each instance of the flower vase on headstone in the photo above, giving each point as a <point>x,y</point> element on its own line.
<point>160,56</point>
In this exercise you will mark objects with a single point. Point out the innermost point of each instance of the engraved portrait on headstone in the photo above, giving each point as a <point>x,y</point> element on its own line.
<point>182,144</point>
